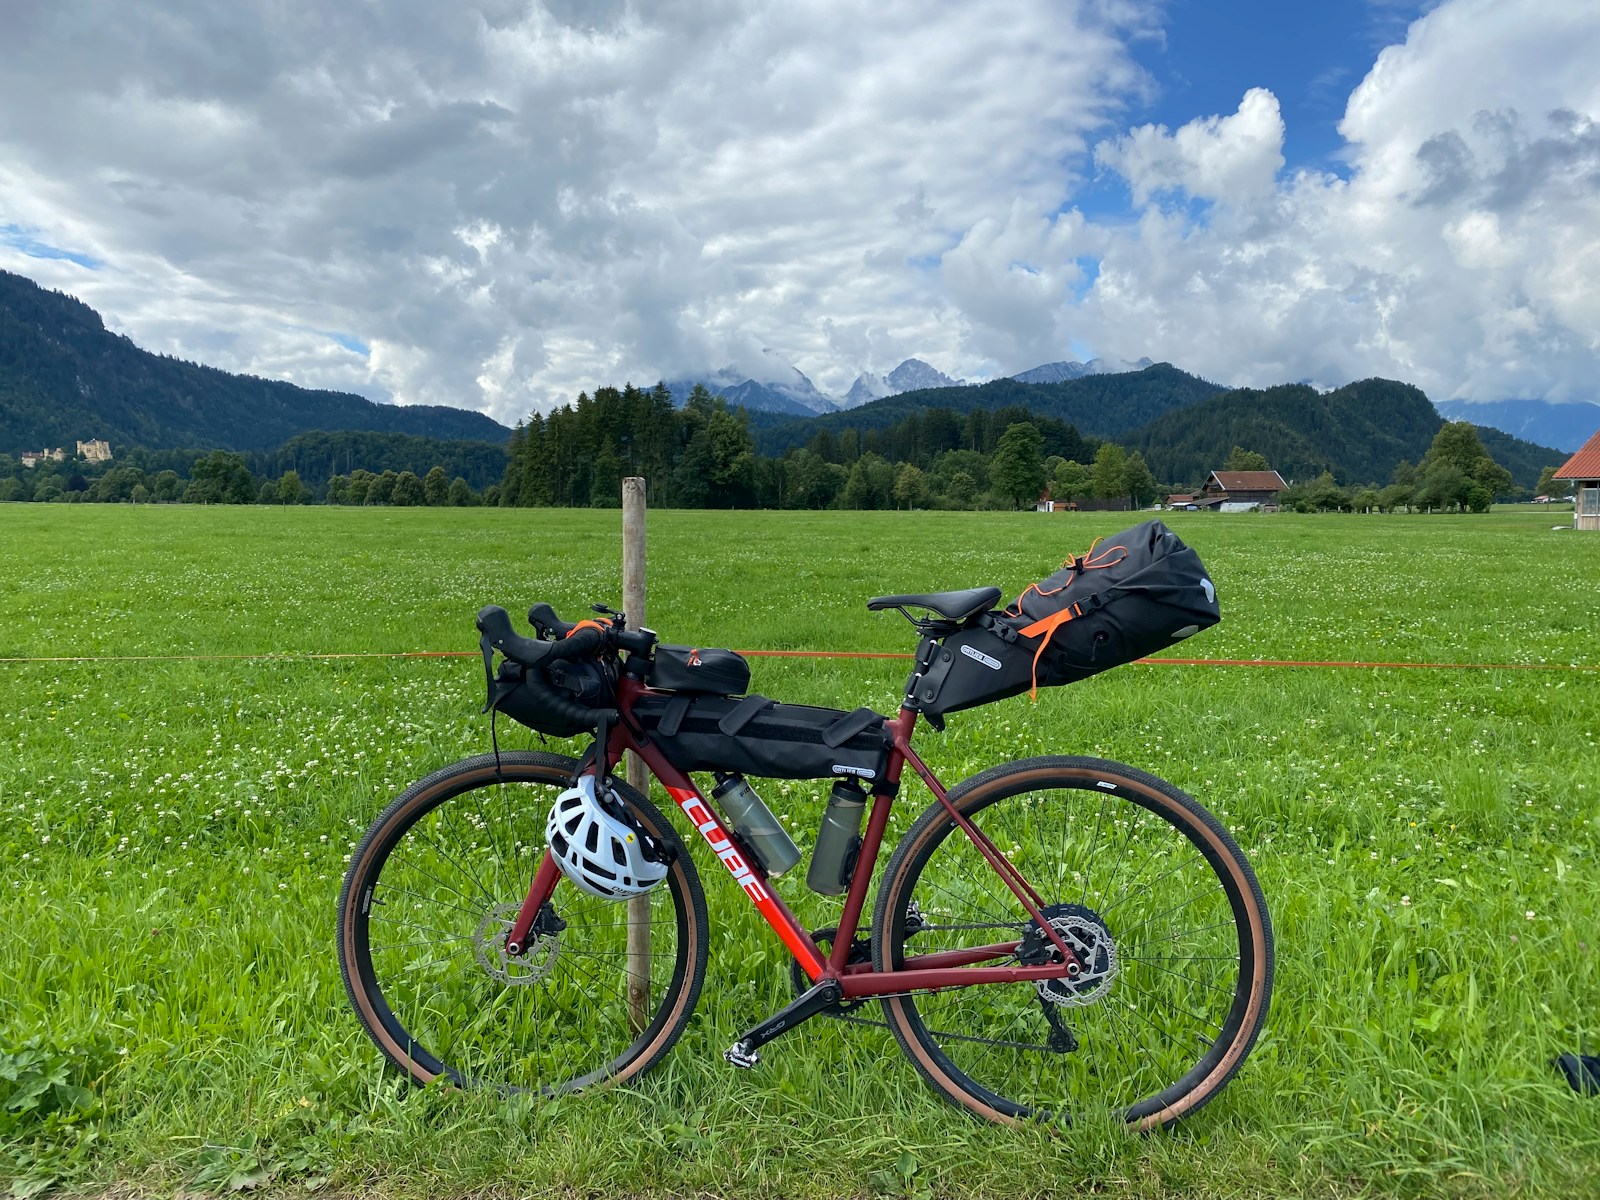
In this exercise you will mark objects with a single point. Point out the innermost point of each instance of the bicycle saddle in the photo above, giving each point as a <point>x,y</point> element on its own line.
<point>952,606</point>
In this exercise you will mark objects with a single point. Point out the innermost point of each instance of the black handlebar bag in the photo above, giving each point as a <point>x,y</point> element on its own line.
<point>1133,594</point>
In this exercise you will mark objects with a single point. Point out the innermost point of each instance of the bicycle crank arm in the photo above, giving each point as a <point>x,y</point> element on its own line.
<point>821,996</point>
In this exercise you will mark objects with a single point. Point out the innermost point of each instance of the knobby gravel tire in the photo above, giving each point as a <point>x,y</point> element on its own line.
<point>432,888</point>
<point>1130,863</point>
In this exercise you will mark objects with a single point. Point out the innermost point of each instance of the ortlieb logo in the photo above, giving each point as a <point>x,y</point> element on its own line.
<point>992,663</point>
<point>864,772</point>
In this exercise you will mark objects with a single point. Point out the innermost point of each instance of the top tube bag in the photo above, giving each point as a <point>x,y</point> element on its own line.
<point>1132,594</point>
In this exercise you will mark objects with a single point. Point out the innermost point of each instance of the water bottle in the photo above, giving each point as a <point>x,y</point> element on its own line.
<point>753,821</point>
<point>833,862</point>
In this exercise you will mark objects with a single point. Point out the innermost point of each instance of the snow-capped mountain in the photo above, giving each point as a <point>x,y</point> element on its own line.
<point>910,376</point>
<point>1060,372</point>
<point>867,386</point>
<point>782,388</point>
<point>770,383</point>
<point>914,374</point>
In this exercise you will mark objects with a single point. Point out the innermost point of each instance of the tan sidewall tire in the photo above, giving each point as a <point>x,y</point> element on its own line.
<point>464,776</point>
<point>1175,806</point>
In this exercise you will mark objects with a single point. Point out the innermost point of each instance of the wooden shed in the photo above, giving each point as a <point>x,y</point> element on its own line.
<point>1240,491</point>
<point>1583,468</point>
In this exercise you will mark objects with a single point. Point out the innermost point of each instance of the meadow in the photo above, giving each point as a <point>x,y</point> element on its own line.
<point>174,828</point>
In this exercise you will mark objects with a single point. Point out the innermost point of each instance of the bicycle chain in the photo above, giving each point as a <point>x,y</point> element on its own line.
<point>861,944</point>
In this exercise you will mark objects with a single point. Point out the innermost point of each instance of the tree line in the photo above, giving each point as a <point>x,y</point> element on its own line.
<point>704,456</point>
<point>223,477</point>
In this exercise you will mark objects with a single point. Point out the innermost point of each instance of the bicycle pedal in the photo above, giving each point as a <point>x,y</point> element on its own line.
<point>741,1056</point>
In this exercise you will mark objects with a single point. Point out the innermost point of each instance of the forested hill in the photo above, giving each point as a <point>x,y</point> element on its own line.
<point>1100,406</point>
<point>64,376</point>
<point>1359,432</point>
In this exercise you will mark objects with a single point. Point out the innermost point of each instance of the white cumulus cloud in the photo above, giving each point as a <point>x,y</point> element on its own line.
<point>505,202</point>
<point>1461,252</point>
<point>497,203</point>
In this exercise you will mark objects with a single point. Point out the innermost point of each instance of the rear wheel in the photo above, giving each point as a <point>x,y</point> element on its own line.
<point>1161,909</point>
<point>430,895</point>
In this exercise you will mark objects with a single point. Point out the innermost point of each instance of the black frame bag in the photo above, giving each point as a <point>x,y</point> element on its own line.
<point>1134,593</point>
<point>757,736</point>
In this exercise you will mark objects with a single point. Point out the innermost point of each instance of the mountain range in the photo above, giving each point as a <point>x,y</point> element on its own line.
<point>784,388</point>
<point>1564,426</point>
<point>64,376</point>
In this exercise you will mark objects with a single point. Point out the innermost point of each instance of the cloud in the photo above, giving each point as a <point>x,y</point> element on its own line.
<point>1233,157</point>
<point>507,202</point>
<point>1461,254</point>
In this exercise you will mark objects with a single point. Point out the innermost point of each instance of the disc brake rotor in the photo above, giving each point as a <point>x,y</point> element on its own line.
<point>1085,932</point>
<point>489,948</point>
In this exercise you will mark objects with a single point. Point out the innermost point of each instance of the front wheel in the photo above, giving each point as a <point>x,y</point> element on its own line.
<point>1160,907</point>
<point>432,892</point>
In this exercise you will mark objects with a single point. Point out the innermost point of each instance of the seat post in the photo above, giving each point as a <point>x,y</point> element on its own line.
<point>925,652</point>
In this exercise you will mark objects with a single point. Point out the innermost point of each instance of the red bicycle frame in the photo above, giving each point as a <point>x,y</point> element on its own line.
<point>923,972</point>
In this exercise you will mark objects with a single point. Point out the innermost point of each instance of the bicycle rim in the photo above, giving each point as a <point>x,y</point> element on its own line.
<point>431,893</point>
<point>1163,909</point>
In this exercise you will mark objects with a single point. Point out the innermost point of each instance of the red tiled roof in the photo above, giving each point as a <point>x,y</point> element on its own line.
<point>1585,464</point>
<point>1249,481</point>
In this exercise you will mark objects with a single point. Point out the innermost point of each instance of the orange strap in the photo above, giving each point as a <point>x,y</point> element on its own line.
<point>1045,628</point>
<point>586,625</point>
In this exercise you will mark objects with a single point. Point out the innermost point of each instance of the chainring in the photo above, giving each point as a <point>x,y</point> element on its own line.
<point>860,952</point>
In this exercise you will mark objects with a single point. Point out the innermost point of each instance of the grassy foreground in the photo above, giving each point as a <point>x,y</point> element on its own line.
<point>174,833</point>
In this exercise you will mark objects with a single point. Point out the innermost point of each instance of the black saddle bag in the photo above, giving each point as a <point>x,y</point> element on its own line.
<point>1131,595</point>
<point>757,736</point>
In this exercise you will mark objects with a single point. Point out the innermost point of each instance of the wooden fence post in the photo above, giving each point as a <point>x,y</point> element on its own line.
<point>633,572</point>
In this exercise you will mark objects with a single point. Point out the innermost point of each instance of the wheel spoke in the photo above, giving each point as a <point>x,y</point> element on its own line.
<point>560,1018</point>
<point>1125,867</point>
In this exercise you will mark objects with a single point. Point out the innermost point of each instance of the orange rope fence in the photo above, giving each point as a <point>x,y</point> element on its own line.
<point>846,654</point>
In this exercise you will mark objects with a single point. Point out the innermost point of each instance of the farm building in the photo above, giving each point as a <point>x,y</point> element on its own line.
<point>1583,468</point>
<point>1240,491</point>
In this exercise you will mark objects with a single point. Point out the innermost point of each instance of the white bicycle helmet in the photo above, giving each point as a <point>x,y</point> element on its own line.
<point>599,853</point>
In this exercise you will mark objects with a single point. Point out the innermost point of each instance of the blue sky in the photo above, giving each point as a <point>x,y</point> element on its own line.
<point>1309,55</point>
<point>1208,53</point>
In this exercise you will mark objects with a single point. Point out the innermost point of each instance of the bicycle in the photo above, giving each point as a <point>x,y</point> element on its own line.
<point>1052,938</point>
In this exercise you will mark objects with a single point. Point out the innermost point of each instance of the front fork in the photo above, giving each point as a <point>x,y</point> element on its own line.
<point>539,893</point>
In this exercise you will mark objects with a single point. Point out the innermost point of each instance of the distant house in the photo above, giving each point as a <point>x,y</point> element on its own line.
<point>95,451</point>
<point>1240,491</point>
<point>32,458</point>
<point>1583,468</point>
<point>1045,504</point>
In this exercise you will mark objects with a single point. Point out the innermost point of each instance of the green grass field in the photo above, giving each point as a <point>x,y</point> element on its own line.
<point>174,834</point>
